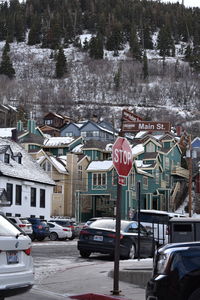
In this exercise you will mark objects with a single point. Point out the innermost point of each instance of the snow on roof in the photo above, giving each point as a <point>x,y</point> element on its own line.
<point>6,132</point>
<point>78,148</point>
<point>137,149</point>
<point>140,164</point>
<point>98,165</point>
<point>29,169</point>
<point>58,165</point>
<point>140,134</point>
<point>109,147</point>
<point>58,141</point>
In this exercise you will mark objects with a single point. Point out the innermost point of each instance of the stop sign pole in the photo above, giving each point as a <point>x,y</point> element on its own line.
<point>122,161</point>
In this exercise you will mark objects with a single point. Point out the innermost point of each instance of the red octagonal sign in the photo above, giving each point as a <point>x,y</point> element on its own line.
<point>122,156</point>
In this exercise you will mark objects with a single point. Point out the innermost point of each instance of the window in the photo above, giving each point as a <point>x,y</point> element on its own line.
<point>17,215</point>
<point>18,195</point>
<point>7,158</point>
<point>9,189</point>
<point>83,133</point>
<point>57,189</point>
<point>114,177</point>
<point>99,179</point>
<point>46,166</point>
<point>145,182</point>
<point>33,197</point>
<point>167,162</point>
<point>48,122</point>
<point>157,174</point>
<point>60,151</point>
<point>80,172</point>
<point>95,133</point>
<point>69,134</point>
<point>150,147</point>
<point>42,198</point>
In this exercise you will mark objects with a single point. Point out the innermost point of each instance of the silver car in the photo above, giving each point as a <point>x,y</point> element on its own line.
<point>16,263</point>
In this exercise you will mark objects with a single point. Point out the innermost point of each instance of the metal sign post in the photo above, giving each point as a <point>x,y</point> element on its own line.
<point>138,193</point>
<point>122,161</point>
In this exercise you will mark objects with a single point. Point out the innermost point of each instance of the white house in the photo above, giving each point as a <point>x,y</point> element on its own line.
<point>28,187</point>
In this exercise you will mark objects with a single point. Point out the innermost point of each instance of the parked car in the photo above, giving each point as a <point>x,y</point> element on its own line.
<point>91,220</point>
<point>23,223</point>
<point>66,223</point>
<point>176,273</point>
<point>16,263</point>
<point>100,237</point>
<point>40,229</point>
<point>58,232</point>
<point>156,221</point>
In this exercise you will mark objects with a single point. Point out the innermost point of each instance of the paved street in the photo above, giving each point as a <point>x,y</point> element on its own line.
<point>60,273</point>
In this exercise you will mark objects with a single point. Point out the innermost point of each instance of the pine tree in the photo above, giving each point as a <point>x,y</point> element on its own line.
<point>61,64</point>
<point>6,67</point>
<point>165,42</point>
<point>134,45</point>
<point>145,66</point>
<point>96,47</point>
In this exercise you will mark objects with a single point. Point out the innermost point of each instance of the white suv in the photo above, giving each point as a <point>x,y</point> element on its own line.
<point>23,223</point>
<point>16,262</point>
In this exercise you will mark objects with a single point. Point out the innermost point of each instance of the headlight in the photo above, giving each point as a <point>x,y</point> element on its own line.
<point>162,263</point>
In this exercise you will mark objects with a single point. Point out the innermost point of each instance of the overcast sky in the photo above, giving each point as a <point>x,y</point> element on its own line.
<point>187,3</point>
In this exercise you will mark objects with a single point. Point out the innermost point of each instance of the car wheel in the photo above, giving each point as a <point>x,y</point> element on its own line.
<point>195,295</point>
<point>32,239</point>
<point>131,250</point>
<point>40,238</point>
<point>85,254</point>
<point>72,237</point>
<point>53,236</point>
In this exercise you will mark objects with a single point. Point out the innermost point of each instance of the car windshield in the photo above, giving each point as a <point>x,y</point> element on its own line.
<point>7,228</point>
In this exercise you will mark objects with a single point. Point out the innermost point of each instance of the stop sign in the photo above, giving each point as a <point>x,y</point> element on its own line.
<point>122,156</point>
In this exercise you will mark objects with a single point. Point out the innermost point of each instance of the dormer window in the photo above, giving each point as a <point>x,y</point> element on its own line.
<point>7,158</point>
<point>18,158</point>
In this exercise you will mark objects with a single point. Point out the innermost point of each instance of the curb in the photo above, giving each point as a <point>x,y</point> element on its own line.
<point>138,276</point>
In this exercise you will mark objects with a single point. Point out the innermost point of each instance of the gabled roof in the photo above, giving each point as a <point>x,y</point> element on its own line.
<point>196,142</point>
<point>28,170</point>
<point>4,148</point>
<point>100,166</point>
<point>96,144</point>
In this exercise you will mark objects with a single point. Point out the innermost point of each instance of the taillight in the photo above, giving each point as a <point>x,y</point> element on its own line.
<point>65,229</point>
<point>39,226</point>
<point>84,232</point>
<point>113,235</point>
<point>28,251</point>
<point>22,225</point>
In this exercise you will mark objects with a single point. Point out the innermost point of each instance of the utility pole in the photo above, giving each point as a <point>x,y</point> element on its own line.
<point>190,176</point>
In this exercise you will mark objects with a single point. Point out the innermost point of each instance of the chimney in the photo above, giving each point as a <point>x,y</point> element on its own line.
<point>179,130</point>
<point>14,135</point>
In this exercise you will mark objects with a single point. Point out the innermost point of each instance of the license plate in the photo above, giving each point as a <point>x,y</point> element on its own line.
<point>12,257</point>
<point>98,238</point>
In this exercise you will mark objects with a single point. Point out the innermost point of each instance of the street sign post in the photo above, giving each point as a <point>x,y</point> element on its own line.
<point>122,161</point>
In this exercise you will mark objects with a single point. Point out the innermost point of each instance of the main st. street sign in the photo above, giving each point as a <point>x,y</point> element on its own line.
<point>146,126</point>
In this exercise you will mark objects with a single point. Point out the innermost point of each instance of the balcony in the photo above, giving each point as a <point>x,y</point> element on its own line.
<point>179,171</point>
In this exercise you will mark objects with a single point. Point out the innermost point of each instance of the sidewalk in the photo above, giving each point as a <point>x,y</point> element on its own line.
<point>98,279</point>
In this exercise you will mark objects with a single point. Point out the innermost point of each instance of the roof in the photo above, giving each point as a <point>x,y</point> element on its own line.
<point>100,165</point>
<point>58,141</point>
<point>95,144</point>
<point>28,170</point>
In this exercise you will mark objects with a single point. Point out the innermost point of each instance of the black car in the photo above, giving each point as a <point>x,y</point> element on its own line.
<point>176,273</point>
<point>40,229</point>
<point>100,237</point>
